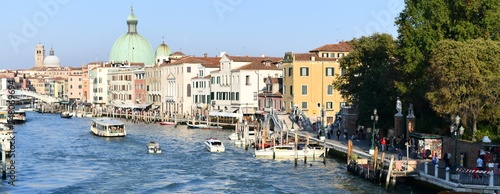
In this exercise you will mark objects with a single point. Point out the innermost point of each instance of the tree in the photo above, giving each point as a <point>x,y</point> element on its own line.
<point>465,80</point>
<point>368,81</point>
<point>421,25</point>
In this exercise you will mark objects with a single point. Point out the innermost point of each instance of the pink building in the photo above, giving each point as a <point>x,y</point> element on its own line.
<point>272,95</point>
<point>139,83</point>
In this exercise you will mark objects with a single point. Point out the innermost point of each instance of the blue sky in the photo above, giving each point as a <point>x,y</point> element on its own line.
<point>84,31</point>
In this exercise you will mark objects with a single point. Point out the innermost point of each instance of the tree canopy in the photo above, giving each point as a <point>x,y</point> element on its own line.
<point>369,79</point>
<point>464,77</point>
<point>421,25</point>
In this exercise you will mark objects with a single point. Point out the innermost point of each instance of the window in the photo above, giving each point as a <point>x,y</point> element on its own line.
<point>304,71</point>
<point>329,71</point>
<point>188,90</point>
<point>329,90</point>
<point>291,90</point>
<point>304,89</point>
<point>324,55</point>
<point>218,80</point>
<point>329,105</point>
<point>290,72</point>
<point>332,55</point>
<point>200,73</point>
<point>340,55</point>
<point>304,105</point>
<point>247,80</point>
<point>237,96</point>
<point>284,72</point>
<point>343,71</point>
<point>255,96</point>
<point>188,69</point>
<point>284,89</point>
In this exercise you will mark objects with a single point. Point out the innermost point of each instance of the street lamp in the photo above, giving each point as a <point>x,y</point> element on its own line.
<point>374,118</point>
<point>456,132</point>
<point>293,116</point>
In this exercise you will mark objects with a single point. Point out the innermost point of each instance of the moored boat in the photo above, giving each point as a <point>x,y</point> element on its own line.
<point>288,151</point>
<point>107,127</point>
<point>214,145</point>
<point>191,126</point>
<point>166,123</point>
<point>154,147</point>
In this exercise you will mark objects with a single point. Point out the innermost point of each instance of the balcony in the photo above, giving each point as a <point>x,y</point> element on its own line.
<point>170,99</point>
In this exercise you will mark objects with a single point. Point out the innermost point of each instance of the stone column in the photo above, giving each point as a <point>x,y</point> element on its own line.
<point>398,125</point>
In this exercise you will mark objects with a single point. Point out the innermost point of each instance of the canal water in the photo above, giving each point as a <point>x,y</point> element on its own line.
<point>57,155</point>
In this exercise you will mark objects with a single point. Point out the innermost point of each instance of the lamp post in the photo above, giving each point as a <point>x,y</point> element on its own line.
<point>456,132</point>
<point>293,115</point>
<point>323,134</point>
<point>374,118</point>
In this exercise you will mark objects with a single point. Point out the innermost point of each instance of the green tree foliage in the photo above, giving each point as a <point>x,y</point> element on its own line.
<point>465,77</point>
<point>421,25</point>
<point>369,79</point>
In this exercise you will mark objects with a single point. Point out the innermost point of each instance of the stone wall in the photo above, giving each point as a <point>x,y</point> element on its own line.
<point>470,148</point>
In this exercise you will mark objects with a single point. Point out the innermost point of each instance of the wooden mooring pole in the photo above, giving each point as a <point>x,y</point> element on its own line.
<point>389,172</point>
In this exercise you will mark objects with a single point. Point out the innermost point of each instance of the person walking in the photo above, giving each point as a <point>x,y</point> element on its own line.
<point>479,163</point>
<point>383,143</point>
<point>338,134</point>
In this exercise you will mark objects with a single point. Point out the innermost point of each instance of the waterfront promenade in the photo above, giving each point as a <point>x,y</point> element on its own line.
<point>464,180</point>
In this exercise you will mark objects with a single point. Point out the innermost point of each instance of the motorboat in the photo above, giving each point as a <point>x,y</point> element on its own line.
<point>191,126</point>
<point>214,145</point>
<point>19,116</point>
<point>288,151</point>
<point>108,127</point>
<point>166,123</point>
<point>154,147</point>
<point>66,115</point>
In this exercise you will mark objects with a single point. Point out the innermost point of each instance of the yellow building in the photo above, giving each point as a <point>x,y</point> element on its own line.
<point>308,78</point>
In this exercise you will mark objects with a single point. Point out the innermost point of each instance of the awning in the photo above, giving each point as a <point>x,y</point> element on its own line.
<point>224,114</point>
<point>155,107</point>
<point>232,110</point>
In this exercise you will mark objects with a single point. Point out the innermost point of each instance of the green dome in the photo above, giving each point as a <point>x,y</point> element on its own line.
<point>132,47</point>
<point>163,50</point>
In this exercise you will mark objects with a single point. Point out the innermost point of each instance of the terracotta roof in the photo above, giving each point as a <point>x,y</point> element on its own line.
<point>340,47</point>
<point>208,62</point>
<point>307,57</point>
<point>257,63</point>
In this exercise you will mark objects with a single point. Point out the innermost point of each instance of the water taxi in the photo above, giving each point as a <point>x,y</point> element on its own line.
<point>19,116</point>
<point>154,147</point>
<point>107,127</point>
<point>289,151</point>
<point>214,145</point>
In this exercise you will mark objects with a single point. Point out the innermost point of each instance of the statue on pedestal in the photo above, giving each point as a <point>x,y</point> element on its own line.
<point>399,106</point>
<point>410,109</point>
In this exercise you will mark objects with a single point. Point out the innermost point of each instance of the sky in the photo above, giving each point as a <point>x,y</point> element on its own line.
<point>81,31</point>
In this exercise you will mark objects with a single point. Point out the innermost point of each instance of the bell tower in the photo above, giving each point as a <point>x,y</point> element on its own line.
<point>39,55</point>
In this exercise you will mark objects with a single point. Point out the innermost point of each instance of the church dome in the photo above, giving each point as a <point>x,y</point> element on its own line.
<point>51,60</point>
<point>132,47</point>
<point>163,50</point>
